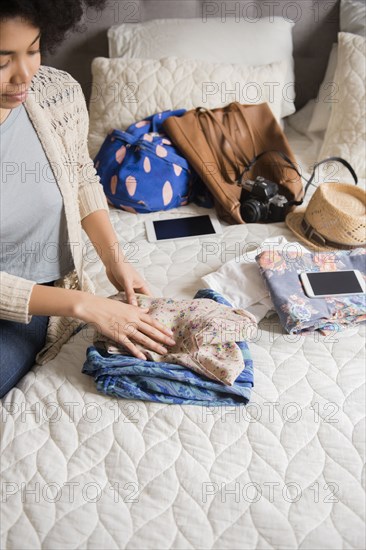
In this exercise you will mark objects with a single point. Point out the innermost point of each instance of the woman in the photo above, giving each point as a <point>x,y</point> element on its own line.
<point>49,191</point>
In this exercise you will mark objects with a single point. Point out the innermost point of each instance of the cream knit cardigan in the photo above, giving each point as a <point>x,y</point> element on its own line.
<point>57,109</point>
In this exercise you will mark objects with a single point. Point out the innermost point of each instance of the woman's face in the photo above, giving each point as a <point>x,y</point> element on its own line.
<point>20,59</point>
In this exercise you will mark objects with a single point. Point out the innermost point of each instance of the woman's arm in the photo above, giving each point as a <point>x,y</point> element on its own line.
<point>14,297</point>
<point>100,231</point>
<point>94,215</point>
<point>50,300</point>
<point>119,271</point>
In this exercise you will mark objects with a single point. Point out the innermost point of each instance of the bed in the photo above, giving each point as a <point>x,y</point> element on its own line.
<point>82,470</point>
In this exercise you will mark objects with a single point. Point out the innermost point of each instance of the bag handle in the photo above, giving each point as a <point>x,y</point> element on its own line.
<point>214,142</point>
<point>218,149</point>
<point>236,107</point>
<point>125,136</point>
<point>337,159</point>
<point>234,146</point>
<point>233,154</point>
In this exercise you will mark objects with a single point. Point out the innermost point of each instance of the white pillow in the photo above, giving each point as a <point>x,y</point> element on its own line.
<point>323,103</point>
<point>249,42</point>
<point>127,90</point>
<point>346,132</point>
<point>353,16</point>
<point>352,20</point>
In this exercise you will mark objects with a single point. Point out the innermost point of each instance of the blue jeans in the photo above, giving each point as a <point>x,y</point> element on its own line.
<point>19,345</point>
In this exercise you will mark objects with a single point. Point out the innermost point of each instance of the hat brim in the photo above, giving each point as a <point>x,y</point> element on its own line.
<point>293,222</point>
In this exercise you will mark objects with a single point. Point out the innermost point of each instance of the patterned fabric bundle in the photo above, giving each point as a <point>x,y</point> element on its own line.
<point>132,378</point>
<point>296,311</point>
<point>206,335</point>
<point>141,170</point>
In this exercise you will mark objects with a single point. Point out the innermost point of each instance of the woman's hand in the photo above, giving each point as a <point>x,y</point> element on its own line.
<point>124,277</point>
<point>124,323</point>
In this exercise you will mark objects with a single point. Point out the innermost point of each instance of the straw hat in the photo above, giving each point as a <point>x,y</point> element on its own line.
<point>335,218</point>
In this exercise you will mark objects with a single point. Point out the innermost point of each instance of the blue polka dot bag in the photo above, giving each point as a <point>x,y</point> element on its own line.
<point>141,170</point>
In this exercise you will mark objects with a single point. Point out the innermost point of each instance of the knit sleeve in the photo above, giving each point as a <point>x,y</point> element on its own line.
<point>91,194</point>
<point>15,293</point>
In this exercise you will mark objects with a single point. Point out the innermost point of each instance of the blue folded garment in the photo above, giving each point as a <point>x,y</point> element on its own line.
<point>132,378</point>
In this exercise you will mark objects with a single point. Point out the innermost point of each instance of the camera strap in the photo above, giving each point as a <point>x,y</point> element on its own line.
<point>257,157</point>
<point>284,157</point>
<point>292,165</point>
<point>330,159</point>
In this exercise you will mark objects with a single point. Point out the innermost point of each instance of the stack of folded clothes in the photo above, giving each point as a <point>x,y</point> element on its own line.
<point>296,311</point>
<point>209,365</point>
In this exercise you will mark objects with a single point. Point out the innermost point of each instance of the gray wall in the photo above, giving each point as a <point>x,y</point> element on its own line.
<point>316,27</point>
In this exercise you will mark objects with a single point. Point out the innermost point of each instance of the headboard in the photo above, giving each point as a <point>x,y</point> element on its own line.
<point>315,30</point>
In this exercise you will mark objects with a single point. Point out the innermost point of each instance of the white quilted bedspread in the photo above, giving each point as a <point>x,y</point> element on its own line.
<point>81,470</point>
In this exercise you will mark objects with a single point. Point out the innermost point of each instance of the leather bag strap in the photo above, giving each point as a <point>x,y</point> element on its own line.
<point>219,148</point>
<point>219,137</point>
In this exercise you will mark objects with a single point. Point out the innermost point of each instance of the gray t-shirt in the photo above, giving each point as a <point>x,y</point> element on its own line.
<point>33,230</point>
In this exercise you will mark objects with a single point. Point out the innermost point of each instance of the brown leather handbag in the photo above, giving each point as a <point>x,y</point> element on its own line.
<point>232,144</point>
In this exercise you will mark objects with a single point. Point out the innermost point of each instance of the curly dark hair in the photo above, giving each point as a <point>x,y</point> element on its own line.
<point>54,18</point>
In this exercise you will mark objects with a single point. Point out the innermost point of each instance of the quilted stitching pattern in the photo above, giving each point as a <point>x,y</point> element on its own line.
<point>346,132</point>
<point>128,90</point>
<point>161,476</point>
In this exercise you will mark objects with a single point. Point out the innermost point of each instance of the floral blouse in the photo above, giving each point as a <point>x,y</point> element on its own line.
<point>296,311</point>
<point>206,334</point>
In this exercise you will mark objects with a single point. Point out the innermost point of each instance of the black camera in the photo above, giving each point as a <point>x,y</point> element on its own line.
<point>264,203</point>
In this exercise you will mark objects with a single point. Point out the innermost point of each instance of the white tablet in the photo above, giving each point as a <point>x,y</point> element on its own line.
<point>176,228</point>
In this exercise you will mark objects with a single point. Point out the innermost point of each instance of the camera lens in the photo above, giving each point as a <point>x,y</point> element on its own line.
<point>251,211</point>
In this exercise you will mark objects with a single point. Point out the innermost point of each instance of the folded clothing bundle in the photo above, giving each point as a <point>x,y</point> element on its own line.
<point>167,382</point>
<point>240,282</point>
<point>296,311</point>
<point>141,170</point>
<point>205,332</point>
